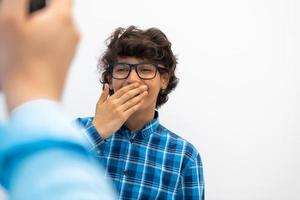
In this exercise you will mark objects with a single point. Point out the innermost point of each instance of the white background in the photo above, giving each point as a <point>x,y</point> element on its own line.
<point>239,92</point>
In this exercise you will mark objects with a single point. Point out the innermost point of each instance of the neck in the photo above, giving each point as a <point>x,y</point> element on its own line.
<point>138,120</point>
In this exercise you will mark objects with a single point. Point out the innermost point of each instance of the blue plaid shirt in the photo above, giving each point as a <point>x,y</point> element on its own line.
<point>152,163</point>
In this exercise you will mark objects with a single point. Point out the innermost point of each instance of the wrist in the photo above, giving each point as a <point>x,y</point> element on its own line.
<point>101,131</point>
<point>18,91</point>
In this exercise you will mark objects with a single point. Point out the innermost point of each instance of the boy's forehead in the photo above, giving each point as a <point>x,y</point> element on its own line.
<point>131,59</point>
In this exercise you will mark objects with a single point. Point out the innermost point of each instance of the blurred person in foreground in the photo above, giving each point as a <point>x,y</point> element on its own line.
<point>41,155</point>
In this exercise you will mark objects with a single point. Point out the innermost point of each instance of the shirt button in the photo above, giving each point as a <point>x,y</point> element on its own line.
<point>131,140</point>
<point>125,172</point>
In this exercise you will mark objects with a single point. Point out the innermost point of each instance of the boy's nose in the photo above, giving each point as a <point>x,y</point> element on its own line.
<point>133,76</point>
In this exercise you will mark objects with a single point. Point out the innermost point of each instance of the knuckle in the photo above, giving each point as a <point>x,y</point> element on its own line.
<point>134,92</point>
<point>135,108</point>
<point>123,89</point>
<point>134,101</point>
<point>141,89</point>
<point>127,95</point>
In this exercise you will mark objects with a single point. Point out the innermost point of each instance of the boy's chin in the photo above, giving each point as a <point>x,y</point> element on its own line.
<point>145,107</point>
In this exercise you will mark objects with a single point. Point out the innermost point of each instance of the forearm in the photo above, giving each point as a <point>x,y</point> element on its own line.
<point>19,90</point>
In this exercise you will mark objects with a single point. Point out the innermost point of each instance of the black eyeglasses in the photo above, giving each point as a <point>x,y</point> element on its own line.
<point>145,71</point>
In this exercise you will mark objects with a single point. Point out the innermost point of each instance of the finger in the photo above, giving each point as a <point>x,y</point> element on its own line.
<point>131,94</point>
<point>125,89</point>
<point>62,6</point>
<point>132,110</point>
<point>16,9</point>
<point>134,101</point>
<point>104,94</point>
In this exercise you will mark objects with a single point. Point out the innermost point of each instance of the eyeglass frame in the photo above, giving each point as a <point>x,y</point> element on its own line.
<point>157,68</point>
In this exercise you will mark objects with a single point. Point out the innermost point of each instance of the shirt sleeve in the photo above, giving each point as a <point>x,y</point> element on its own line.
<point>43,156</point>
<point>191,184</point>
<point>90,130</point>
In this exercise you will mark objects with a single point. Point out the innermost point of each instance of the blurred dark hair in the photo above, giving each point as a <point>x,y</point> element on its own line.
<point>150,44</point>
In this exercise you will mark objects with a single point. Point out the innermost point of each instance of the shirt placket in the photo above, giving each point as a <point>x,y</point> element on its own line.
<point>129,138</point>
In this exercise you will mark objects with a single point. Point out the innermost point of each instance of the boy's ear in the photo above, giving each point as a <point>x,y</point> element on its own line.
<point>165,78</point>
<point>109,79</point>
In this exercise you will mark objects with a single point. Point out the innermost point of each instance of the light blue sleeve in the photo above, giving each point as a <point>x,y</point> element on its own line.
<point>43,156</point>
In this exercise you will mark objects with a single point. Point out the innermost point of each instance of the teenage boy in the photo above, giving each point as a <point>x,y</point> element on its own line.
<point>41,155</point>
<point>144,159</point>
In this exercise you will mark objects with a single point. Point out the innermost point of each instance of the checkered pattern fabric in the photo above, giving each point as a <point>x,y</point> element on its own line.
<point>152,163</point>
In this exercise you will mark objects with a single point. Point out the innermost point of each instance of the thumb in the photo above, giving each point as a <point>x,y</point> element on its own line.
<point>104,94</point>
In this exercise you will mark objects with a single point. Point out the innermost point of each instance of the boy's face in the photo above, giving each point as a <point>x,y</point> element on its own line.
<point>160,81</point>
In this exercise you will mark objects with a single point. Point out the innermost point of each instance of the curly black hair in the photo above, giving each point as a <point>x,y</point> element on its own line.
<point>151,44</point>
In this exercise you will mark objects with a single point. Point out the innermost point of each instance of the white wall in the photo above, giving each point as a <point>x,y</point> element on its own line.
<point>239,92</point>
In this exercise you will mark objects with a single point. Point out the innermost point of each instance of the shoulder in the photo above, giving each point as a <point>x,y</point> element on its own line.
<point>182,146</point>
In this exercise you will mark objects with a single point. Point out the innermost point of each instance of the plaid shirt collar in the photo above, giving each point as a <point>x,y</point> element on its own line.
<point>146,131</point>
